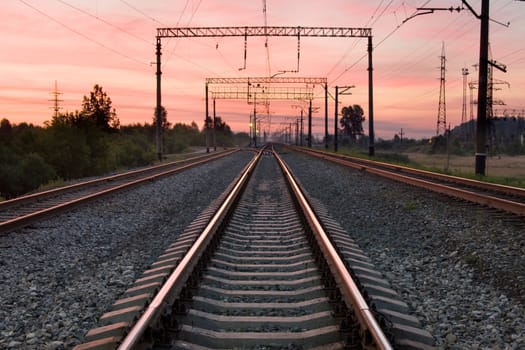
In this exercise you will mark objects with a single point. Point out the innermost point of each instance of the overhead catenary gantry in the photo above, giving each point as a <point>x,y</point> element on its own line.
<point>254,89</point>
<point>265,31</point>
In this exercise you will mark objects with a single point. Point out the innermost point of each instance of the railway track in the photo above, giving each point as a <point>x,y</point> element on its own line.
<point>505,198</point>
<point>23,211</point>
<point>259,269</point>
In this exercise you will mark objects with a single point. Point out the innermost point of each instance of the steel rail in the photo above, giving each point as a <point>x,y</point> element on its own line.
<point>177,279</point>
<point>483,199</point>
<point>56,191</point>
<point>349,290</point>
<point>510,190</point>
<point>25,220</point>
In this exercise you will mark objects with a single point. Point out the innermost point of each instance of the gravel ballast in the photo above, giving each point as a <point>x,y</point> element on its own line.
<point>459,267</point>
<point>60,275</point>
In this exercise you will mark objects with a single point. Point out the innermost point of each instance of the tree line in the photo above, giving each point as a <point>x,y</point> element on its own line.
<point>85,143</point>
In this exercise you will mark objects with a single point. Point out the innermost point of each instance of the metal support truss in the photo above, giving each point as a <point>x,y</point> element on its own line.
<point>333,32</point>
<point>267,80</point>
<point>269,93</point>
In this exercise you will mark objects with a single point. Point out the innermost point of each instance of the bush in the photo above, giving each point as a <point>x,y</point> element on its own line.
<point>21,174</point>
<point>133,151</point>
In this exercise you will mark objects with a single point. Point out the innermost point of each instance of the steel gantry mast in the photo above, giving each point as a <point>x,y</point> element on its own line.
<point>263,31</point>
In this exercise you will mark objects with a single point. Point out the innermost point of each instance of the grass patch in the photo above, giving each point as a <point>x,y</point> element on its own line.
<point>475,262</point>
<point>395,158</point>
<point>410,206</point>
<point>51,185</point>
<point>459,166</point>
<point>501,180</point>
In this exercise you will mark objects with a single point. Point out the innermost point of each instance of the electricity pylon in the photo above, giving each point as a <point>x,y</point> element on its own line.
<point>442,107</point>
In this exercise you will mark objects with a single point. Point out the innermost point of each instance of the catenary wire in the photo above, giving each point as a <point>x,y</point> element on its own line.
<point>376,45</point>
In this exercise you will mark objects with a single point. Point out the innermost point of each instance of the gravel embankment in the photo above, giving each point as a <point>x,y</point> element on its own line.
<point>461,270</point>
<point>59,276</point>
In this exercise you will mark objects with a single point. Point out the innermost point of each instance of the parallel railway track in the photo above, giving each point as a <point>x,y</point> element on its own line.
<point>505,198</point>
<point>22,211</point>
<point>259,270</point>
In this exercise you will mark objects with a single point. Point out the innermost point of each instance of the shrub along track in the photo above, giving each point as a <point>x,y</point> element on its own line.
<point>260,271</point>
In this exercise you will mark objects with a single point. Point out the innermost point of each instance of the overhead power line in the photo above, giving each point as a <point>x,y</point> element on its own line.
<point>178,22</point>
<point>141,12</point>
<point>354,44</point>
<point>81,34</point>
<point>105,22</point>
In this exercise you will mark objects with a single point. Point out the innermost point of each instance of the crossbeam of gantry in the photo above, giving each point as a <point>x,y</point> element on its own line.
<point>203,32</point>
<point>269,93</point>
<point>267,80</point>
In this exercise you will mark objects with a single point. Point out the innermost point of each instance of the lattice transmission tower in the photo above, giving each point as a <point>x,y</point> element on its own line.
<point>56,94</point>
<point>465,73</point>
<point>442,107</point>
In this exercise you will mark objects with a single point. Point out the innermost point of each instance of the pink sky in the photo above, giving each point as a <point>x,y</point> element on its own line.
<point>80,43</point>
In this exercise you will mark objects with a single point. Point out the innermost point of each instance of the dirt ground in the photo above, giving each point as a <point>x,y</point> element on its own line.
<point>506,166</point>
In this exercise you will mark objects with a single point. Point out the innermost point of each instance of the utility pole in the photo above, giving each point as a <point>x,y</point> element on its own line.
<point>158,118</point>
<point>344,91</point>
<point>336,127</point>
<point>481,128</point>
<point>371,145</point>
<point>297,132</point>
<point>250,131</point>
<point>326,115</point>
<point>310,125</point>
<point>255,119</point>
<point>214,127</point>
<point>472,86</point>
<point>207,123</point>
<point>464,128</point>
<point>301,129</point>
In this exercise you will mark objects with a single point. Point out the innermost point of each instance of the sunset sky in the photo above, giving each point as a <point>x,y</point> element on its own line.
<point>80,43</point>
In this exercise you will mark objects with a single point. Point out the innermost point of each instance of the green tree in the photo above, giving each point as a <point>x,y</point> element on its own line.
<point>5,130</point>
<point>223,133</point>
<point>352,121</point>
<point>20,173</point>
<point>97,107</point>
<point>164,124</point>
<point>65,146</point>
